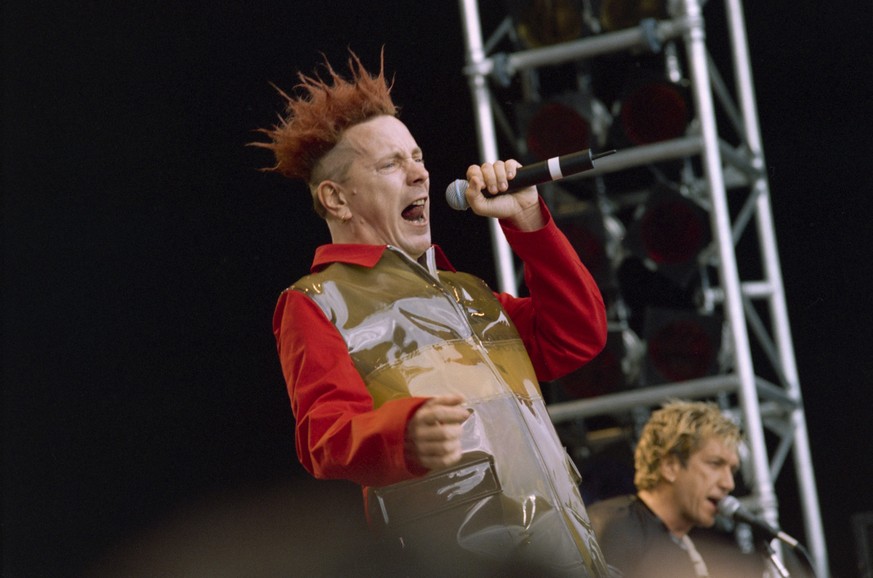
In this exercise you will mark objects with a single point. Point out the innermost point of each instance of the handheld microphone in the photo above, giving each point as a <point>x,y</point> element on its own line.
<point>553,169</point>
<point>730,507</point>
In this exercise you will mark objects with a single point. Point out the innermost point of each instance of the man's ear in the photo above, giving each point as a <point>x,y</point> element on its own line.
<point>669,469</point>
<point>333,199</point>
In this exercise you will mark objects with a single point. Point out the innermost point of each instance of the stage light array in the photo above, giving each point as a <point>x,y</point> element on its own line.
<point>650,214</point>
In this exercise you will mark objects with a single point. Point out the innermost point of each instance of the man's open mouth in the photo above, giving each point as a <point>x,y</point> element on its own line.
<point>415,211</point>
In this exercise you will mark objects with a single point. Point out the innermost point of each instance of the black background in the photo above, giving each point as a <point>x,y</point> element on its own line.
<point>143,251</point>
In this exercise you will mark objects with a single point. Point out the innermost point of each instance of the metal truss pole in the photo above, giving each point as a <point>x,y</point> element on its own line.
<point>773,274</point>
<point>484,115</point>
<point>695,41</point>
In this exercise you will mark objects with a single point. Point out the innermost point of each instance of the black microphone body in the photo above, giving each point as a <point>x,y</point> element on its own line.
<point>553,169</point>
<point>730,507</point>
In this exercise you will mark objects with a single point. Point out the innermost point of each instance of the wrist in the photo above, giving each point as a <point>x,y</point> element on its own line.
<point>528,219</point>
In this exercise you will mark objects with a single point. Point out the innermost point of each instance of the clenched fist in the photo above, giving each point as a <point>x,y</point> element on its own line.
<point>433,435</point>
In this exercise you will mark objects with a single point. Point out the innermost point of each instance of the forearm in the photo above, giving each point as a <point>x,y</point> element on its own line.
<point>335,442</point>
<point>563,322</point>
<point>339,434</point>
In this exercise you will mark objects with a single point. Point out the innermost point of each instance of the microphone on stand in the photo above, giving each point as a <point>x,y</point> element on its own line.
<point>553,169</point>
<point>730,507</point>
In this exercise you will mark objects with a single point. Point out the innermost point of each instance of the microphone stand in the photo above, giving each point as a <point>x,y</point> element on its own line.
<point>775,561</point>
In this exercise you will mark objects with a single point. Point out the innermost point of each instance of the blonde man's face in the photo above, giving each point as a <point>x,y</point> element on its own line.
<point>708,477</point>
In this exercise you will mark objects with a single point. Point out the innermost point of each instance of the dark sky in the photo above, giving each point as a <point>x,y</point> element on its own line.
<point>143,251</point>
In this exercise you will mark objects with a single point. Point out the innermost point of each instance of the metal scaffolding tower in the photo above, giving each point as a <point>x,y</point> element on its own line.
<point>760,377</point>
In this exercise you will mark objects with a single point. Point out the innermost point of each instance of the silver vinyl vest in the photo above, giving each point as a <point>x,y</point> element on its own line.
<point>418,332</point>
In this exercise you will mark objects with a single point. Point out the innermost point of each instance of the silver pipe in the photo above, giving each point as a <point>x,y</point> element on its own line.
<point>503,259</point>
<point>645,397</point>
<point>778,309</point>
<point>639,37</point>
<point>721,226</point>
<point>644,154</point>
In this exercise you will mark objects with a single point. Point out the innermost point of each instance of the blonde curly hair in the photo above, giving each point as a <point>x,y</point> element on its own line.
<point>679,429</point>
<point>316,118</point>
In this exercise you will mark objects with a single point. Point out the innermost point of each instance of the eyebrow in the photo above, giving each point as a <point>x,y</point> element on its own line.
<point>718,460</point>
<point>397,153</point>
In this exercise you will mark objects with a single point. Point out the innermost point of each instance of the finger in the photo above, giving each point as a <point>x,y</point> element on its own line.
<point>500,175</point>
<point>436,441</point>
<point>439,410</point>
<point>447,400</point>
<point>440,462</point>
<point>489,177</point>
<point>439,435</point>
<point>446,414</point>
<point>434,455</point>
<point>474,178</point>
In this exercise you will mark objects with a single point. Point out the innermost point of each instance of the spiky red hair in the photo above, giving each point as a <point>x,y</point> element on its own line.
<point>315,119</point>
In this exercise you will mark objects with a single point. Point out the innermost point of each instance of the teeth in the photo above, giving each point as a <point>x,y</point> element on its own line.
<point>418,203</point>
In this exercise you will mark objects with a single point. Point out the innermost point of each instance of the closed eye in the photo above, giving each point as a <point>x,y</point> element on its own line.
<point>395,163</point>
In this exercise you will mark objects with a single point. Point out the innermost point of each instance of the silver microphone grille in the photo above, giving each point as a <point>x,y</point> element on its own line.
<point>455,195</point>
<point>728,506</point>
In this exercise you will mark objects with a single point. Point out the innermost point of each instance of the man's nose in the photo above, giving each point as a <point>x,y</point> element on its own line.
<point>416,171</point>
<point>728,481</point>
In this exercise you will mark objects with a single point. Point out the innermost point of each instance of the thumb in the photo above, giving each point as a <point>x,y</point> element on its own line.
<point>449,400</point>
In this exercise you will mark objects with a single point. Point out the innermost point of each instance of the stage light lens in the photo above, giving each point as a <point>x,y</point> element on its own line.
<point>614,369</point>
<point>672,232</point>
<point>556,129</point>
<point>547,22</point>
<point>620,14</point>
<point>600,376</point>
<point>681,350</point>
<point>654,112</point>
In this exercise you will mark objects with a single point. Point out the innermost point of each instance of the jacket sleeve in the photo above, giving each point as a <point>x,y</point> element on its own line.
<point>339,435</point>
<point>563,321</point>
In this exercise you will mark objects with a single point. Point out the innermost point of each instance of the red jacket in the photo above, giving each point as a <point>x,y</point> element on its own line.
<point>339,434</point>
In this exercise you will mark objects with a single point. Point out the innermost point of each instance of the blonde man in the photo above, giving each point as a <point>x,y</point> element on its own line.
<point>684,463</point>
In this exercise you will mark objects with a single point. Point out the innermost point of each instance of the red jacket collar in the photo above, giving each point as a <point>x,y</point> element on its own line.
<point>364,256</point>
